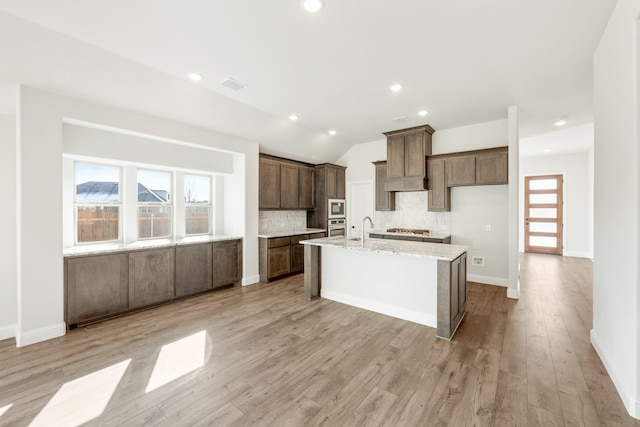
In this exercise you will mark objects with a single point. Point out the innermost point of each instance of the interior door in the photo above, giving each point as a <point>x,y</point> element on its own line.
<point>543,214</point>
<point>359,205</point>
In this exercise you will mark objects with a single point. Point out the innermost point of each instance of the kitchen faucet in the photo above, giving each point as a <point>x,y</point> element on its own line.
<point>362,231</point>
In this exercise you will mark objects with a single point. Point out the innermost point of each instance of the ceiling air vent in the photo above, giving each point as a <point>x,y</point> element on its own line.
<point>233,84</point>
<point>401,119</point>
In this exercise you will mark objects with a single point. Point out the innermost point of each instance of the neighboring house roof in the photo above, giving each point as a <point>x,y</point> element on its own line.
<point>107,192</point>
<point>96,191</point>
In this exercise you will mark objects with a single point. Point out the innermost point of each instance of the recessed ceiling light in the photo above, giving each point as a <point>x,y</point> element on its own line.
<point>332,132</point>
<point>396,88</point>
<point>423,113</point>
<point>312,6</point>
<point>195,77</point>
<point>560,123</point>
<point>293,117</point>
<point>547,150</point>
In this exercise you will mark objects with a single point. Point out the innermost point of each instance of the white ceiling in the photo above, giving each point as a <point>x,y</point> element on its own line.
<point>570,140</point>
<point>463,61</point>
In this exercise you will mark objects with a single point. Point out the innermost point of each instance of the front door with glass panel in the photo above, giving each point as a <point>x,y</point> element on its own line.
<point>543,214</point>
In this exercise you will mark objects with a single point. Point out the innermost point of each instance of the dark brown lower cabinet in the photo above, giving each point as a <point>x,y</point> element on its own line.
<point>227,263</point>
<point>151,277</point>
<point>280,256</point>
<point>108,285</point>
<point>452,295</point>
<point>193,269</point>
<point>96,286</point>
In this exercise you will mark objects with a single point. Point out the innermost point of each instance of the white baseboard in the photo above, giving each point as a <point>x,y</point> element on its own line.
<point>251,280</point>
<point>8,331</point>
<point>577,254</point>
<point>41,334</point>
<point>389,310</point>
<point>631,403</point>
<point>488,280</point>
<point>513,293</point>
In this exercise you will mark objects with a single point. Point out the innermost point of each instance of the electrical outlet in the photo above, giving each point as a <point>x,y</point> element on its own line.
<point>487,227</point>
<point>477,261</point>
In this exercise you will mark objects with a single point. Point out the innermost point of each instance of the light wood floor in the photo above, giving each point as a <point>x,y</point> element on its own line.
<point>270,358</point>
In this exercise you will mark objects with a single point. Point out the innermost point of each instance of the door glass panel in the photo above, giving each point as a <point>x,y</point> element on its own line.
<point>543,184</point>
<point>541,241</point>
<point>542,213</point>
<point>543,227</point>
<point>543,198</point>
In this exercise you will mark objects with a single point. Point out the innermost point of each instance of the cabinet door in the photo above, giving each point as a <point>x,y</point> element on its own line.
<point>297,253</point>
<point>288,186</point>
<point>462,284</point>
<point>193,269</point>
<point>455,300</point>
<point>306,193</point>
<point>385,200</point>
<point>340,183</point>
<point>269,184</point>
<point>492,168</point>
<point>439,194</point>
<point>461,171</point>
<point>395,157</point>
<point>97,286</point>
<point>279,261</point>
<point>332,183</point>
<point>151,277</point>
<point>227,263</point>
<point>414,156</point>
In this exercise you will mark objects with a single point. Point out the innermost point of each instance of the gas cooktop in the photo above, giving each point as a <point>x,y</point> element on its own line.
<point>410,231</point>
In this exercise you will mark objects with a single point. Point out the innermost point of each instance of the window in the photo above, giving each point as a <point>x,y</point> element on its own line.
<point>154,204</point>
<point>197,199</point>
<point>97,202</point>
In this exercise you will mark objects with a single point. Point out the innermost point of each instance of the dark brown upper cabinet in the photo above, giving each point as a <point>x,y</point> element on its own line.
<point>385,200</point>
<point>482,167</point>
<point>406,158</point>
<point>439,194</point>
<point>285,184</point>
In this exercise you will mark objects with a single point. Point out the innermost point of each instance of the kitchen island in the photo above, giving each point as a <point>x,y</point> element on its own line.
<point>420,282</point>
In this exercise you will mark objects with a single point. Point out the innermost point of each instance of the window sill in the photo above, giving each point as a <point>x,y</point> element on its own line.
<point>105,248</point>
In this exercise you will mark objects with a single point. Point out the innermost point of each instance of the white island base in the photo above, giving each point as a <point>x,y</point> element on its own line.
<point>409,280</point>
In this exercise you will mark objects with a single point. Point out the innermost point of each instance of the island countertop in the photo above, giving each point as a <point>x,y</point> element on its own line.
<point>400,247</point>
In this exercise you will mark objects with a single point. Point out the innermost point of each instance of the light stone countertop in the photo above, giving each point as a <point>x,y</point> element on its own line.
<point>294,232</point>
<point>104,248</point>
<point>399,247</point>
<point>432,234</point>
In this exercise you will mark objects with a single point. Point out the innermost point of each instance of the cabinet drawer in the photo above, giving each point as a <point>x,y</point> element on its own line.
<point>316,236</point>
<point>279,241</point>
<point>296,239</point>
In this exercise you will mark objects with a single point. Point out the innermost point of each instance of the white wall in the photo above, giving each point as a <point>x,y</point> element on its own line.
<point>616,288</point>
<point>577,213</point>
<point>8,281</point>
<point>39,243</point>
<point>471,208</point>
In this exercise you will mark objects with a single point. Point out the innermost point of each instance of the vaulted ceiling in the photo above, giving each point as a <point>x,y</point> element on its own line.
<point>463,61</point>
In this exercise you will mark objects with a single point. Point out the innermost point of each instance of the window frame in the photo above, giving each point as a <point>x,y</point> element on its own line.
<point>76,204</point>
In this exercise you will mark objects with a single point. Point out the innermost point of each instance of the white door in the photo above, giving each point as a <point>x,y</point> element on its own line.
<point>359,205</point>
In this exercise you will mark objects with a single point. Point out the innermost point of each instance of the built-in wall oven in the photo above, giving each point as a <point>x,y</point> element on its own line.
<point>336,209</point>
<point>336,227</point>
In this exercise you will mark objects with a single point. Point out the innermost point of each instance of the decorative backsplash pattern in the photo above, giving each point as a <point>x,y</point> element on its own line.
<point>273,221</point>
<point>411,212</point>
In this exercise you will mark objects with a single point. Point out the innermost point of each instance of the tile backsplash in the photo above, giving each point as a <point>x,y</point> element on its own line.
<point>411,212</point>
<point>274,221</point>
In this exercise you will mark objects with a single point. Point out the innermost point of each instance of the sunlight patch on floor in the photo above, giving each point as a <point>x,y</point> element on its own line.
<point>5,409</point>
<point>82,399</point>
<point>177,359</point>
